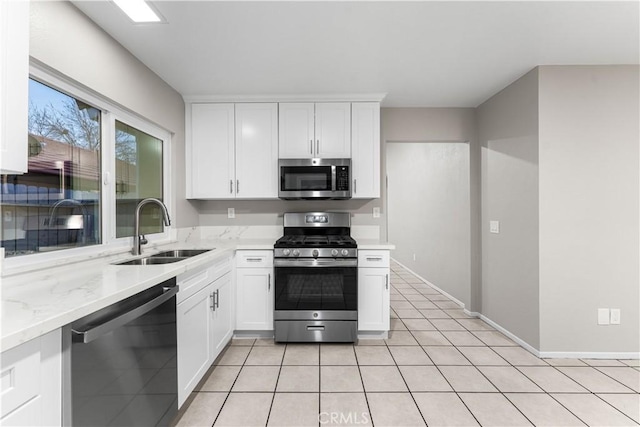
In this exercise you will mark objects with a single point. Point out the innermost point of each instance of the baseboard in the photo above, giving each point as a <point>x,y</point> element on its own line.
<point>590,355</point>
<point>524,344</point>
<point>451,297</point>
<point>531,349</point>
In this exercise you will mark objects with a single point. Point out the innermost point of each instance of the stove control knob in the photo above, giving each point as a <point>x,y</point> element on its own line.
<point>296,252</point>
<point>286,252</point>
<point>345,252</point>
<point>315,253</point>
<point>334,252</point>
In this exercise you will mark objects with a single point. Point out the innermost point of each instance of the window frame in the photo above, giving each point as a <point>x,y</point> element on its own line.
<point>110,112</point>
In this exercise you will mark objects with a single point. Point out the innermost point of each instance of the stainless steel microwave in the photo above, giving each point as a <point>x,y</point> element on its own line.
<point>314,179</point>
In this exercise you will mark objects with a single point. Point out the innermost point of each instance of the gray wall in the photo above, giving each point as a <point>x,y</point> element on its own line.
<point>64,39</point>
<point>428,211</point>
<point>589,189</point>
<point>508,132</point>
<point>442,125</point>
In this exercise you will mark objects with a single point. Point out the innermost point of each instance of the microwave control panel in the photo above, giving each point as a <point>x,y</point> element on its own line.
<point>342,178</point>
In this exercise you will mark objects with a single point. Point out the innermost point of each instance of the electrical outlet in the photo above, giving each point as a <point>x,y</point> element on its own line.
<point>494,227</point>
<point>615,316</point>
<point>414,257</point>
<point>376,212</point>
<point>603,316</point>
<point>231,213</point>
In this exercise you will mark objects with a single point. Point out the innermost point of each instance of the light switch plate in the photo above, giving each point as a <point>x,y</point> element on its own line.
<point>603,316</point>
<point>615,316</point>
<point>231,213</point>
<point>494,227</point>
<point>376,212</point>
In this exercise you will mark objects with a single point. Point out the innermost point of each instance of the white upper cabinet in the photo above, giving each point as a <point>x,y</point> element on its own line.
<point>296,136</point>
<point>333,130</point>
<point>211,152</point>
<point>320,130</point>
<point>232,151</point>
<point>14,86</point>
<point>365,147</point>
<point>257,151</point>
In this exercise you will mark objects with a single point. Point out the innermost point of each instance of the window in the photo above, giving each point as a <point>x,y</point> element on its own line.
<point>55,205</point>
<point>138,176</point>
<point>90,163</point>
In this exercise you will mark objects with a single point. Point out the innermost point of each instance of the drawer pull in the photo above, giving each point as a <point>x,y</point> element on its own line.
<point>374,258</point>
<point>254,259</point>
<point>315,328</point>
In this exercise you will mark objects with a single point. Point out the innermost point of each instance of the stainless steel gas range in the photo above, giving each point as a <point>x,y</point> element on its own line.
<point>316,279</point>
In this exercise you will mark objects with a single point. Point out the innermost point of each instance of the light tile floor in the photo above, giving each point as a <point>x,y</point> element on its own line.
<point>439,367</point>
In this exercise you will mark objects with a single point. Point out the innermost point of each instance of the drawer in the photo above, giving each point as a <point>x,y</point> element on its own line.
<point>20,375</point>
<point>255,259</point>
<point>193,281</point>
<point>372,258</point>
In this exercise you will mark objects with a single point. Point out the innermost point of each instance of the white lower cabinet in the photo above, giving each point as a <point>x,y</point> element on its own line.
<point>204,317</point>
<point>32,382</point>
<point>254,290</point>
<point>373,290</point>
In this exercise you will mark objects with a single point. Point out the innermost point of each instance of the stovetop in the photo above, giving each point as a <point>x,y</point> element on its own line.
<point>315,241</point>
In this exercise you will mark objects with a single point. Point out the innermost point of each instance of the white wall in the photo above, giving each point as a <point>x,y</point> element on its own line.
<point>589,189</point>
<point>64,39</point>
<point>429,212</point>
<point>442,125</point>
<point>508,131</point>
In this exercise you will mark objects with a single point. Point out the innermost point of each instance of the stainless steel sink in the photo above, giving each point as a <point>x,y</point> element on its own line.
<point>151,261</point>
<point>181,253</point>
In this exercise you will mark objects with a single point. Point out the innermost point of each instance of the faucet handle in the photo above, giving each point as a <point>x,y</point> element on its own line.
<point>143,240</point>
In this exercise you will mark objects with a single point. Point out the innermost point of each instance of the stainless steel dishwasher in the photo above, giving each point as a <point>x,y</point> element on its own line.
<point>119,363</point>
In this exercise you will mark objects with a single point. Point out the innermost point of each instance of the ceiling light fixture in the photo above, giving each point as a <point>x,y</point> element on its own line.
<point>138,10</point>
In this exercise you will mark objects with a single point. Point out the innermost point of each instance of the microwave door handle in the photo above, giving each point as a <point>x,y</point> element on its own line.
<point>333,178</point>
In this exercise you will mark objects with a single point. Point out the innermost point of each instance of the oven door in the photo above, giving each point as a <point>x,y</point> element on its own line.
<point>316,289</point>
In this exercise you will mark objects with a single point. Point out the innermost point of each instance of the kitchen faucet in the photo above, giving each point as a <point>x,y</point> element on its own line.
<point>73,202</point>
<point>138,239</point>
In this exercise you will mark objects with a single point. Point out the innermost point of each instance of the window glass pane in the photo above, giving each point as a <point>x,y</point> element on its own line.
<point>56,205</point>
<point>138,176</point>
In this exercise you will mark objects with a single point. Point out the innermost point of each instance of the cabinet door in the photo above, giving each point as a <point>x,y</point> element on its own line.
<point>254,301</point>
<point>365,149</point>
<point>257,151</point>
<point>333,130</point>
<point>295,138</point>
<point>222,321</point>
<point>210,152</point>
<point>193,318</point>
<point>14,86</point>
<point>373,299</point>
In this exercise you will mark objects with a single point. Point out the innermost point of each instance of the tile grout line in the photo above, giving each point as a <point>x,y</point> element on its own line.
<point>234,381</point>
<point>488,380</point>
<point>364,391</point>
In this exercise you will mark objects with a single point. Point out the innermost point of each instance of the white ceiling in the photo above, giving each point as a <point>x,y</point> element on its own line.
<point>432,54</point>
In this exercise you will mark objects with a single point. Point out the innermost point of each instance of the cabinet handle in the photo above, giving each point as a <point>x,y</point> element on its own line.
<point>213,304</point>
<point>355,185</point>
<point>311,146</point>
<point>317,147</point>
<point>269,280</point>
<point>386,283</point>
<point>237,186</point>
<point>231,186</point>
<point>254,259</point>
<point>217,299</point>
<point>374,258</point>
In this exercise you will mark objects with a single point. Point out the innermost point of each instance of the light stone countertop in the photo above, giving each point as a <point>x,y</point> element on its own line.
<point>38,302</point>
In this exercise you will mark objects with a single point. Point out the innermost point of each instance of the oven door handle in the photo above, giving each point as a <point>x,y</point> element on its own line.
<point>96,331</point>
<point>315,263</point>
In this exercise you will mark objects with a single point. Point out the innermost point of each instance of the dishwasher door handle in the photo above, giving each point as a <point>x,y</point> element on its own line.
<point>96,331</point>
